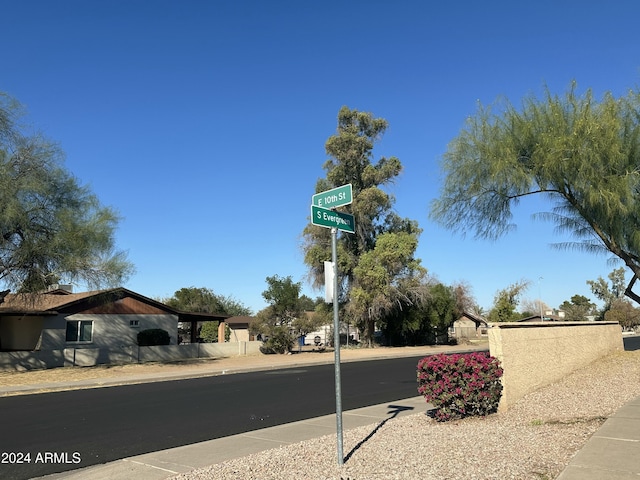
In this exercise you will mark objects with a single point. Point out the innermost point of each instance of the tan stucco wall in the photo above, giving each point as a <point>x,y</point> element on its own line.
<point>533,355</point>
<point>238,335</point>
<point>20,332</point>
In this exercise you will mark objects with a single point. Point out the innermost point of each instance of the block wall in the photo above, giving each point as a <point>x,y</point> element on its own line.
<point>533,355</point>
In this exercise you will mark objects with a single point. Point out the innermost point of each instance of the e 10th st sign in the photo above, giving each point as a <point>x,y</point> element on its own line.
<point>336,197</point>
<point>324,217</point>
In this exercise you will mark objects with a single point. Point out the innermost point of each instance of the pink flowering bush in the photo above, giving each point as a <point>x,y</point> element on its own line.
<point>460,385</point>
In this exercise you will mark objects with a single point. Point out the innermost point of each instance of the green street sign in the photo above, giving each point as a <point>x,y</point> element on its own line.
<point>336,197</point>
<point>324,217</point>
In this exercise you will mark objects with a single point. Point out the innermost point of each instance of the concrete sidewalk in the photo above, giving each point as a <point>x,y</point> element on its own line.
<point>613,452</point>
<point>167,463</point>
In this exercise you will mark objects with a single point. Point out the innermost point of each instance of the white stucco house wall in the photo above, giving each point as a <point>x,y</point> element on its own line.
<point>100,319</point>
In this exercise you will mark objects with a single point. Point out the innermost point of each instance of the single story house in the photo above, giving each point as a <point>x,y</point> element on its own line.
<point>60,319</point>
<point>239,327</point>
<point>469,326</point>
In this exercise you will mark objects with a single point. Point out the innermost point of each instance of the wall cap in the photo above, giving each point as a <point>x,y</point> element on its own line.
<point>548,324</point>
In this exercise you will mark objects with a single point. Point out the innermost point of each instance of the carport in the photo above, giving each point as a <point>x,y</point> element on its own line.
<point>194,318</point>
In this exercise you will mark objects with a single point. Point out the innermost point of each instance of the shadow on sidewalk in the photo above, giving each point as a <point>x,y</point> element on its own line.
<point>394,411</point>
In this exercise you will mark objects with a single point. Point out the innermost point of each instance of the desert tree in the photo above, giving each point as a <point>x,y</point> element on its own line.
<point>285,318</point>
<point>366,296</point>
<point>442,310</point>
<point>623,312</point>
<point>196,300</point>
<point>52,228</point>
<point>609,292</point>
<point>581,153</point>
<point>530,307</point>
<point>505,302</point>
<point>578,308</point>
<point>205,300</point>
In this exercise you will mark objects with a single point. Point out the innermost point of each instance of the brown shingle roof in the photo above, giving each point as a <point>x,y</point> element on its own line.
<point>239,320</point>
<point>54,301</point>
<point>50,302</point>
<point>42,302</point>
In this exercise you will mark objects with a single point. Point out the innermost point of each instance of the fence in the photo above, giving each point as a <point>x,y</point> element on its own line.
<point>87,357</point>
<point>533,355</point>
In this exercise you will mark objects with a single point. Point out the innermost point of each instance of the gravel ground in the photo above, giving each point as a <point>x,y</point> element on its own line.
<point>535,439</point>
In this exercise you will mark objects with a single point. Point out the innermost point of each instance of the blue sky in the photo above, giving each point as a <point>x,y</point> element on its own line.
<point>203,123</point>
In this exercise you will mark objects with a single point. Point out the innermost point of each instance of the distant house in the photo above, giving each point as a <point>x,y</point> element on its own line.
<point>59,319</point>
<point>548,316</point>
<point>469,326</point>
<point>239,327</point>
<point>324,333</point>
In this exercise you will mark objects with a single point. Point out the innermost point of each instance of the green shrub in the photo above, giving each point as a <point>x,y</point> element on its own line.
<point>460,385</point>
<point>153,336</point>
<point>279,341</point>
<point>209,332</point>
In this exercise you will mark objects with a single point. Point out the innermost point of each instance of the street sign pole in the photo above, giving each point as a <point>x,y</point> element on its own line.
<point>336,343</point>
<point>324,215</point>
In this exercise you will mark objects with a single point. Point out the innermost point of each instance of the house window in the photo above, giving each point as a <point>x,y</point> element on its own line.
<point>79,331</point>
<point>134,323</point>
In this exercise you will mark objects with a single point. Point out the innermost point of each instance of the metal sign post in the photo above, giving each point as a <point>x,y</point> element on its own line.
<point>336,344</point>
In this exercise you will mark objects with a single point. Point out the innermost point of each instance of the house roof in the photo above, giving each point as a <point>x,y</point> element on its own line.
<point>537,318</point>
<point>476,318</point>
<point>239,320</point>
<point>60,300</point>
<point>41,302</point>
<point>201,317</point>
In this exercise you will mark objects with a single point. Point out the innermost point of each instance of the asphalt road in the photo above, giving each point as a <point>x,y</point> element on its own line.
<point>67,430</point>
<point>632,343</point>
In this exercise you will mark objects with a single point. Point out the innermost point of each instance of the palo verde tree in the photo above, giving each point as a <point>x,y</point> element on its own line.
<point>372,283</point>
<point>581,153</point>
<point>52,229</point>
